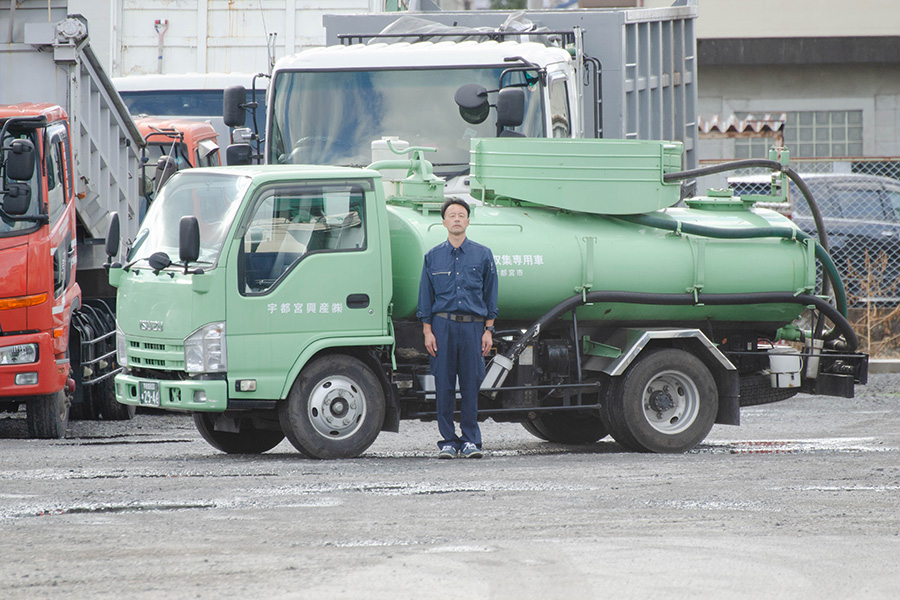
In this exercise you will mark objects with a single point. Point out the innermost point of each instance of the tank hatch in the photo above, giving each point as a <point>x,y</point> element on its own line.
<point>605,177</point>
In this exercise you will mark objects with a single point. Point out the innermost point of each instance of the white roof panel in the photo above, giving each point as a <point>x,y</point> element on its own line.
<point>420,54</point>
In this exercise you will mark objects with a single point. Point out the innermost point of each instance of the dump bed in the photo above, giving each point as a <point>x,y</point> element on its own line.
<point>49,59</point>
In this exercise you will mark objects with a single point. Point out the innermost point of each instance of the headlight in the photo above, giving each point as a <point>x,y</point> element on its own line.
<point>20,354</point>
<point>121,354</point>
<point>204,350</point>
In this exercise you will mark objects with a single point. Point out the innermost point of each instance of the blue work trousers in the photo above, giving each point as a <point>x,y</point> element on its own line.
<point>458,355</point>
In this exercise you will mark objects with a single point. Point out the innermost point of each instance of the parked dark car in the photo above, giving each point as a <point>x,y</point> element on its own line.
<point>861,214</point>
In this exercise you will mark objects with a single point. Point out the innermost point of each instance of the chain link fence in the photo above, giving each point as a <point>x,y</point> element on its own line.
<point>860,205</point>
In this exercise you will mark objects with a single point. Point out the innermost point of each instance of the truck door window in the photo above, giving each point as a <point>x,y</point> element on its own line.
<point>207,154</point>
<point>559,108</point>
<point>9,227</point>
<point>292,222</point>
<point>56,193</point>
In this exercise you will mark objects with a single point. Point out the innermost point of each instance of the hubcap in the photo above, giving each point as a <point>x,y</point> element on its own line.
<point>670,402</point>
<point>337,407</point>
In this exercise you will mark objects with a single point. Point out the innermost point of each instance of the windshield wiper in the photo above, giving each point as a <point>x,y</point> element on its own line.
<point>174,264</point>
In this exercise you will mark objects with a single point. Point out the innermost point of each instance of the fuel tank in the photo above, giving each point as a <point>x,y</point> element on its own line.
<point>546,254</point>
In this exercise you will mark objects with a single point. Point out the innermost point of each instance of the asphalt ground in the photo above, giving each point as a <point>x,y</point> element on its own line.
<point>800,501</point>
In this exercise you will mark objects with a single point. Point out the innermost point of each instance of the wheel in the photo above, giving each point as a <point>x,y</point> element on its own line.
<point>335,409</point>
<point>757,389</point>
<point>247,441</point>
<point>665,402</point>
<point>47,416</point>
<point>85,409</point>
<point>568,427</point>
<point>105,398</point>
<point>531,428</point>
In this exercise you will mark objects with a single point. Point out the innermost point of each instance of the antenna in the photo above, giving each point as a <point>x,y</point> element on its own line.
<point>270,39</point>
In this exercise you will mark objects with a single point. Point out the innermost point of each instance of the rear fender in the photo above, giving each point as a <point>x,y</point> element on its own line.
<point>634,342</point>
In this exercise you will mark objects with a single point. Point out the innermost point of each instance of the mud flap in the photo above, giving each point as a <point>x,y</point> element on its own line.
<point>729,384</point>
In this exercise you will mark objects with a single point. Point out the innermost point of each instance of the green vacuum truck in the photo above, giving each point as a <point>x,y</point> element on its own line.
<point>279,301</point>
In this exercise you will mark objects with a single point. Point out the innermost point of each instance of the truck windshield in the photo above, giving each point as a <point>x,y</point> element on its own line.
<point>332,117</point>
<point>10,227</point>
<point>211,197</point>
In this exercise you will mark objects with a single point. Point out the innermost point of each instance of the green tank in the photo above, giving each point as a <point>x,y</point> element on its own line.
<point>548,247</point>
<point>545,255</point>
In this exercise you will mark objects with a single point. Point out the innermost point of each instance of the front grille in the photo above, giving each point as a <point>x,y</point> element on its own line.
<point>150,362</point>
<point>156,355</point>
<point>147,373</point>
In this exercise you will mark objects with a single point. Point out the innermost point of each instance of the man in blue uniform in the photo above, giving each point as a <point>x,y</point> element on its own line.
<point>457,307</point>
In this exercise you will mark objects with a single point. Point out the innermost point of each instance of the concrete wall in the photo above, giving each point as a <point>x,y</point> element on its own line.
<point>205,35</point>
<point>873,89</point>
<point>793,18</point>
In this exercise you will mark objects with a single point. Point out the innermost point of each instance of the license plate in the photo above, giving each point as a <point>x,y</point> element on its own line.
<point>149,393</point>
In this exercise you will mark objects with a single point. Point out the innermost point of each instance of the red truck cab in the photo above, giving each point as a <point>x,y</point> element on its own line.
<point>38,291</point>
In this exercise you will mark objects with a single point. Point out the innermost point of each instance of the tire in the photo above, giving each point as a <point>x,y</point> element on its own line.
<point>568,427</point>
<point>105,398</point>
<point>86,410</point>
<point>666,402</point>
<point>247,441</point>
<point>757,389</point>
<point>335,408</point>
<point>531,428</point>
<point>47,416</point>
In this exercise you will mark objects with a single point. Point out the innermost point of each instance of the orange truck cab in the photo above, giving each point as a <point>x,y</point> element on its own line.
<point>173,144</point>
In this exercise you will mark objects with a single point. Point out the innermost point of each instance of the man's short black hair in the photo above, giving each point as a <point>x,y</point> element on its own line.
<point>450,202</point>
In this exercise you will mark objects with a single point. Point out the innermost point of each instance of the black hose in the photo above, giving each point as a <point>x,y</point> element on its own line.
<point>765,164</point>
<point>851,340</point>
<point>659,222</point>
<point>804,189</point>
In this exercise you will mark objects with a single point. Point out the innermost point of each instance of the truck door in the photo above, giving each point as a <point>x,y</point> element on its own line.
<point>57,167</point>
<point>308,269</point>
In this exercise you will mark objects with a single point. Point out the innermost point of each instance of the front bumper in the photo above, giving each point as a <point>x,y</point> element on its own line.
<point>52,373</point>
<point>196,395</point>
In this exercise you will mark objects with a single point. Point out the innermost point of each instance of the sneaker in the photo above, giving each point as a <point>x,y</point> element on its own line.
<point>447,451</point>
<point>470,450</point>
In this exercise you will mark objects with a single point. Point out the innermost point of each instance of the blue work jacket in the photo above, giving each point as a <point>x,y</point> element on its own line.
<point>458,280</point>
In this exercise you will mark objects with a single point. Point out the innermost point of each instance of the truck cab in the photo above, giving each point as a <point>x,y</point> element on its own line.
<point>38,292</point>
<point>230,324</point>
<point>328,105</point>
<point>173,144</point>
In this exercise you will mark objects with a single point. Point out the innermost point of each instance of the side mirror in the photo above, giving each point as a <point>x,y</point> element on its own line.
<point>16,199</point>
<point>473,103</point>
<point>188,240</point>
<point>238,154</point>
<point>158,261</point>
<point>233,101</point>
<point>511,107</point>
<point>20,160</point>
<point>112,237</point>
<point>165,168</point>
